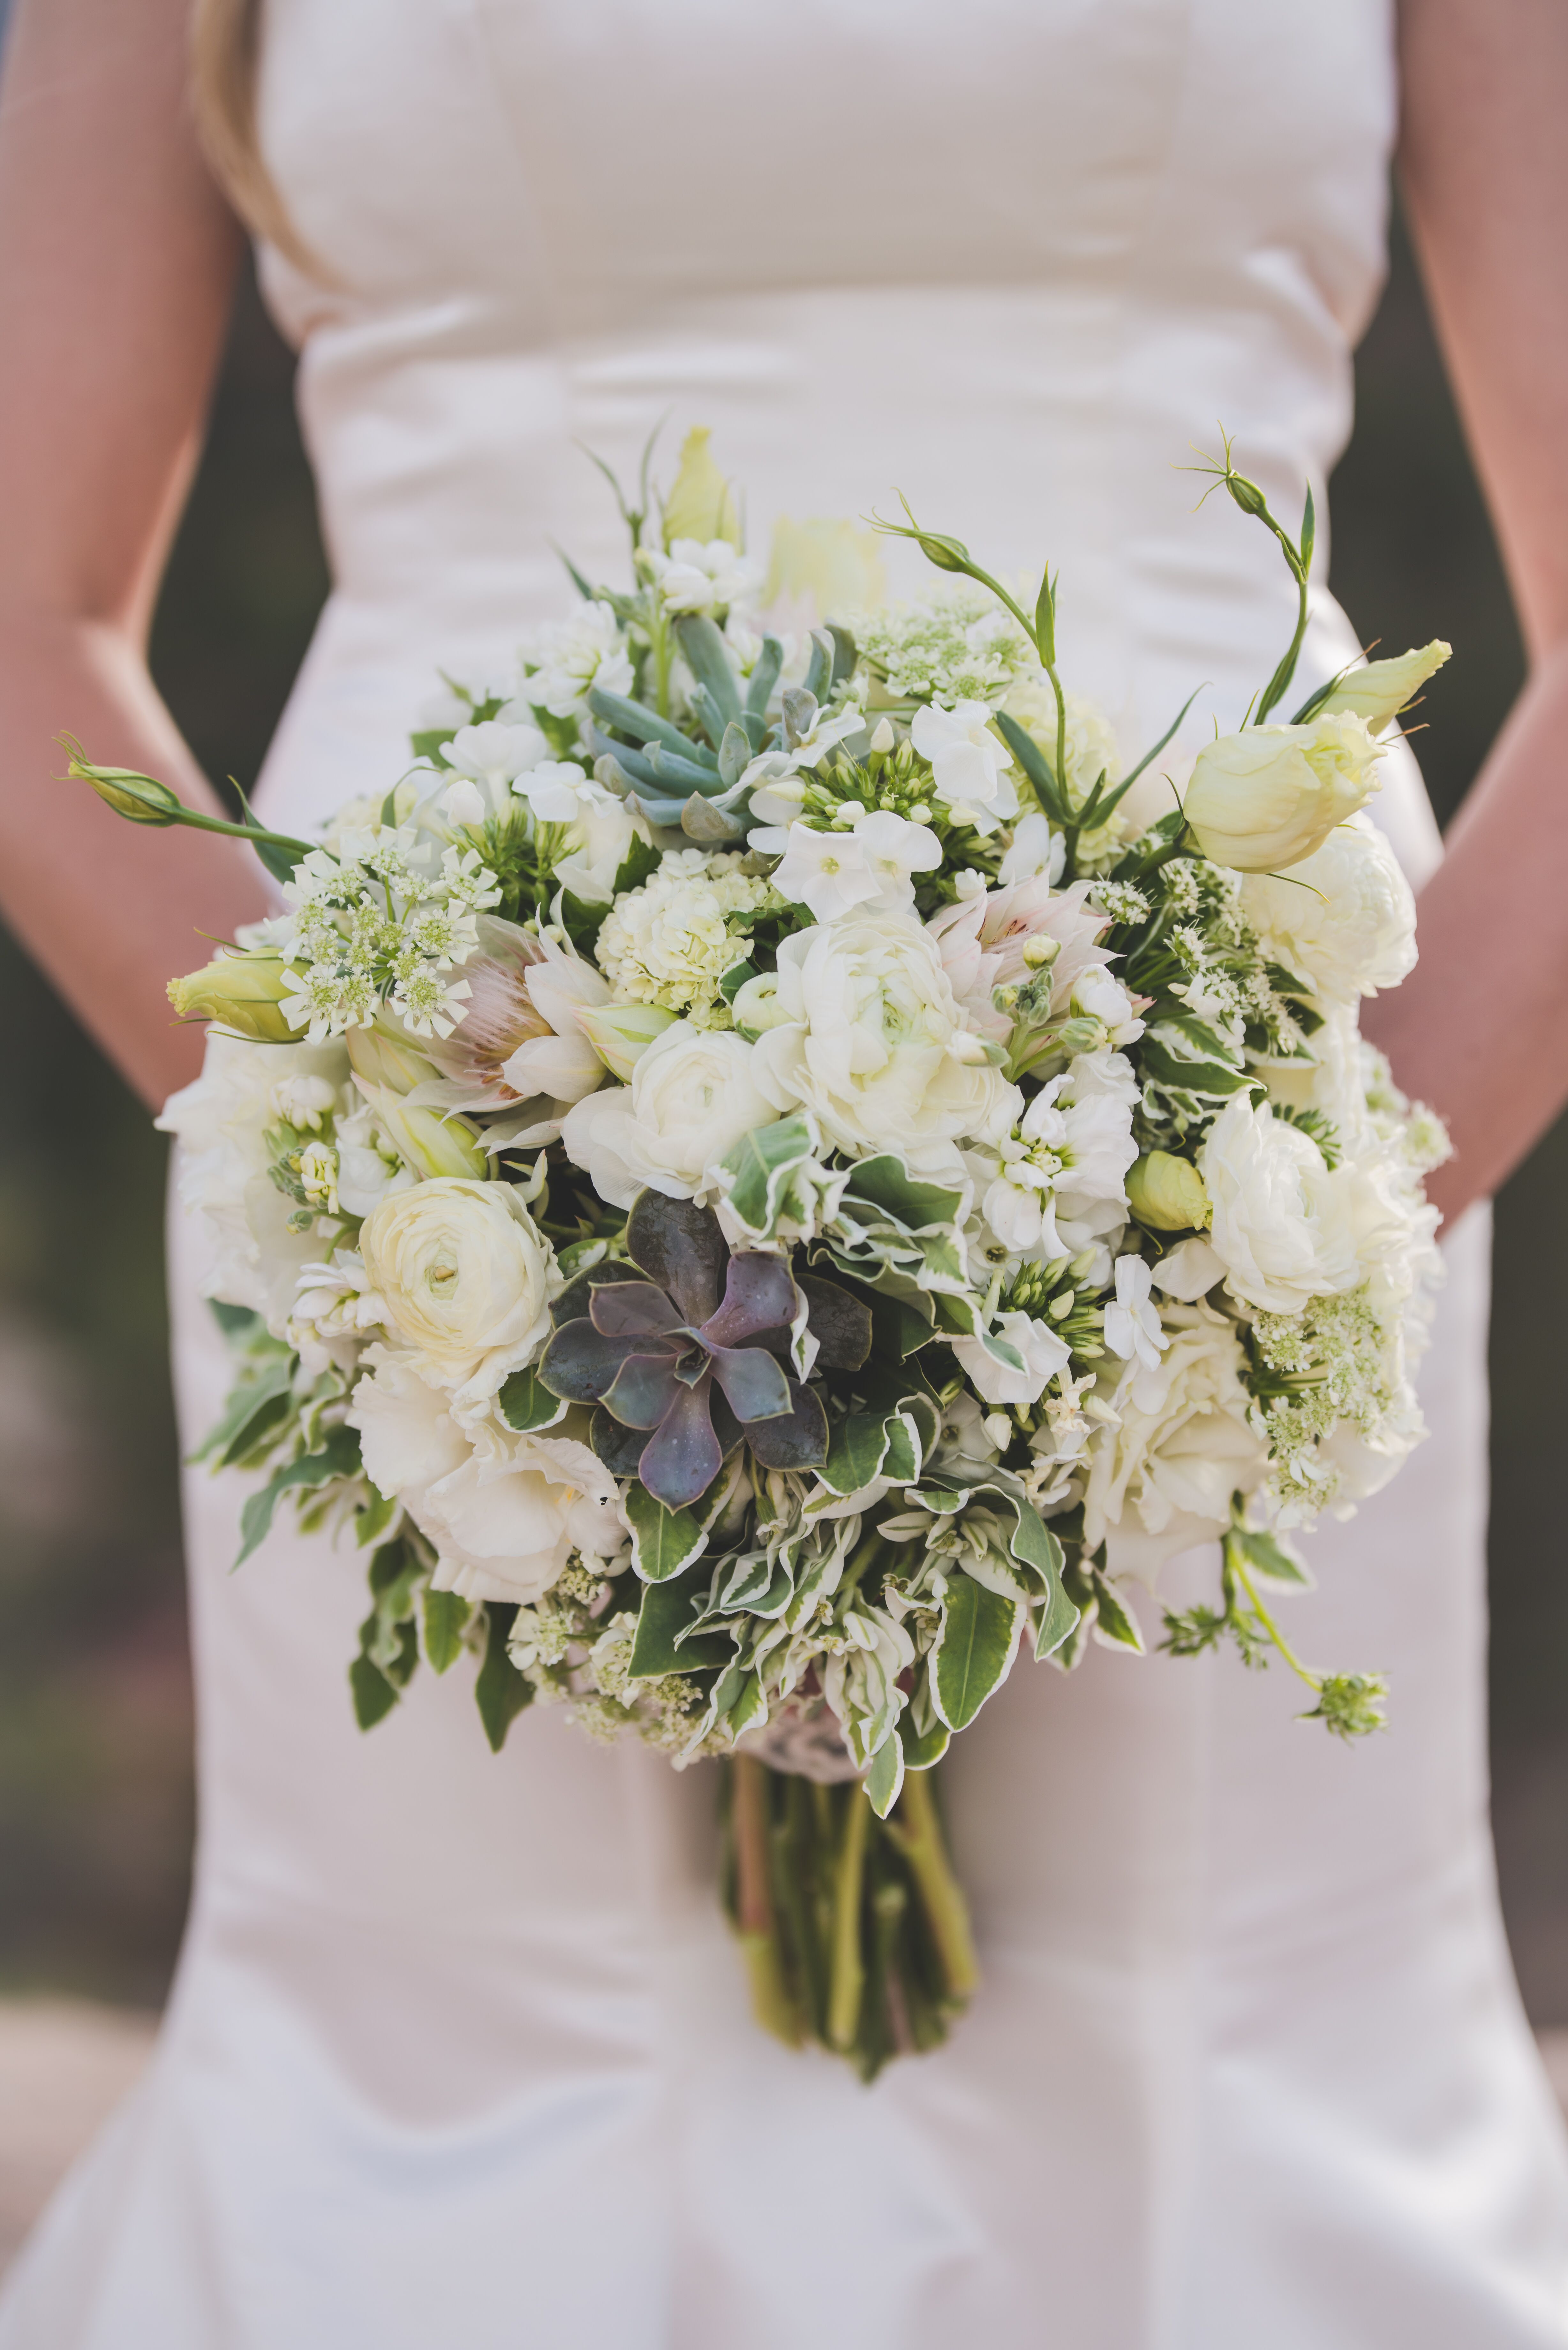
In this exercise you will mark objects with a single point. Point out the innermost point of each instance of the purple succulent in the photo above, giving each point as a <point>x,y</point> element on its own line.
<point>670,1355</point>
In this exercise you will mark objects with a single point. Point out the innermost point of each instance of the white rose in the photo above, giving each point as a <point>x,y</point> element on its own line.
<point>1345,919</point>
<point>969,762</point>
<point>1261,800</point>
<point>694,1094</point>
<point>1162,1473</point>
<point>1044,1354</point>
<point>1283,1225</point>
<point>465,1275</point>
<point>1378,690</point>
<point>504,1512</point>
<point>873,1040</point>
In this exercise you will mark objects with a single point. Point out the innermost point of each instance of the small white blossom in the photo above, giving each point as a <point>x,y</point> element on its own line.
<point>872,863</point>
<point>1132,1323</point>
<point>969,763</point>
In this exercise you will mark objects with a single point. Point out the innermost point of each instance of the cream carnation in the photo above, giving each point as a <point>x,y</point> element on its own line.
<point>465,1275</point>
<point>873,1041</point>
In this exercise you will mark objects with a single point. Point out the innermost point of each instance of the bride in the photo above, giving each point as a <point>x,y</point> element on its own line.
<point>458,2051</point>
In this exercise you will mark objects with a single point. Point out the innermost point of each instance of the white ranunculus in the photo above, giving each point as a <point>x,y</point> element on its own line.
<point>873,1041</point>
<point>504,1512</point>
<point>969,763</point>
<point>694,1094</point>
<point>466,1277</point>
<point>1262,800</point>
<point>1378,690</point>
<point>564,660</point>
<point>1162,1470</point>
<point>1283,1225</point>
<point>1043,1353</point>
<point>1344,919</point>
<point>872,863</point>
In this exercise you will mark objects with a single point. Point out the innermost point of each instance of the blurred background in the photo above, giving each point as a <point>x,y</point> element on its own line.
<point>95,1708</point>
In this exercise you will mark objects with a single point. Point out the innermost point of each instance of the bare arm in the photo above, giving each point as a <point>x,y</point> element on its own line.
<point>1480,1029</point>
<point>117,263</point>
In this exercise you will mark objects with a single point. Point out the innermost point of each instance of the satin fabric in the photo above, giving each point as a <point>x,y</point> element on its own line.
<point>459,2050</point>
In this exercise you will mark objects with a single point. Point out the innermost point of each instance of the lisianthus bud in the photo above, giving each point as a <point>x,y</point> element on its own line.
<point>1168,1194</point>
<point>1041,951</point>
<point>243,993</point>
<point>425,1141</point>
<point>1261,800</point>
<point>1380,690</point>
<point>389,1061</point>
<point>141,798</point>
<point>621,1032</point>
<point>699,505</point>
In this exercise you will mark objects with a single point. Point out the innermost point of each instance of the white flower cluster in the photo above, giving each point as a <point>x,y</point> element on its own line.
<point>373,924</point>
<point>674,940</point>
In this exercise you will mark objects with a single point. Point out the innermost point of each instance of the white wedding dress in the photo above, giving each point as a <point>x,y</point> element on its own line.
<point>460,2050</point>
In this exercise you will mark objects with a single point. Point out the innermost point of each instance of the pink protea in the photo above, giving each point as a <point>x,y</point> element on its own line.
<point>519,1036</point>
<point>981,940</point>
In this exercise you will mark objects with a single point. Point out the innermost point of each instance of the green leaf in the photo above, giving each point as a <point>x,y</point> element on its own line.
<point>1055,1622</point>
<point>238,1323</point>
<point>667,1610</point>
<point>708,657</point>
<point>763,1163</point>
<point>526,1403</point>
<point>446,1619</point>
<point>663,1541</point>
<point>979,1636</point>
<point>372,1521</point>
<point>1114,1621</point>
<point>500,1690</point>
<point>1270,1559</point>
<point>429,744</point>
<point>581,921</point>
<point>340,1457</point>
<point>640,860</point>
<point>855,1452</point>
<point>374,1696</point>
<point>259,1399</point>
<point>884,1778</point>
<point>922,1750</point>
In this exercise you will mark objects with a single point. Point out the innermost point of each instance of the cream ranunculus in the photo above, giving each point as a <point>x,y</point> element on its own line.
<point>1162,1471</point>
<point>504,1512</point>
<point>874,1041</point>
<point>1263,799</point>
<point>694,1094</point>
<point>1283,1226</point>
<point>466,1276</point>
<point>1343,919</point>
<point>1379,690</point>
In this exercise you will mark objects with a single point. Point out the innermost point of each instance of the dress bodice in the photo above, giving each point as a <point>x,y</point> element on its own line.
<point>1013,259</point>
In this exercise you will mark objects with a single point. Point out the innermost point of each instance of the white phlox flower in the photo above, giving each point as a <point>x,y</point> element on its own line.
<point>1040,1350</point>
<point>561,663</point>
<point>697,577</point>
<point>870,863</point>
<point>1069,1155</point>
<point>969,763</point>
<point>1133,1327</point>
<point>492,754</point>
<point>1098,997</point>
<point>334,1311</point>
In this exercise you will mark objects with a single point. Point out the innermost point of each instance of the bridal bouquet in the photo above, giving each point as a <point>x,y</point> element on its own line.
<point>763,1176</point>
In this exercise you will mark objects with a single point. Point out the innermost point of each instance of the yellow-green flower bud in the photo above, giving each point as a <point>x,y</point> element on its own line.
<point>1263,799</point>
<point>1380,690</point>
<point>389,1061</point>
<point>425,1141</point>
<point>240,992</point>
<point>1168,1194</point>
<point>699,505</point>
<point>620,1034</point>
<point>142,798</point>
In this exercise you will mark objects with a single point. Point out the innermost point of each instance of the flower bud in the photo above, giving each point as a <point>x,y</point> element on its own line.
<point>426,1141</point>
<point>699,505</point>
<point>883,738</point>
<point>1168,1194</point>
<point>384,1060</point>
<point>141,798</point>
<point>1041,951</point>
<point>1380,690</point>
<point>1265,799</point>
<point>243,993</point>
<point>621,1032</point>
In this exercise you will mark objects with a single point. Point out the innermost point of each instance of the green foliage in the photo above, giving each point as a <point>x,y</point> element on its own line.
<point>500,1690</point>
<point>338,1459</point>
<point>978,1642</point>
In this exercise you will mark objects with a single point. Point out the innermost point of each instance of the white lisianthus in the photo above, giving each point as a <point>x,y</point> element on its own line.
<point>1283,1225</point>
<point>561,663</point>
<point>1042,1351</point>
<point>874,1043</point>
<point>1262,800</point>
<point>1378,690</point>
<point>969,763</point>
<point>599,827</point>
<point>1177,1446</point>
<point>1344,919</point>
<point>694,1094</point>
<point>870,863</point>
<point>466,1277</point>
<point>504,1512</point>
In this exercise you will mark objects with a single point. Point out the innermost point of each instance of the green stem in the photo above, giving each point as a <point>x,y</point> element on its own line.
<point>846,1983</point>
<point>1240,1570</point>
<point>756,1926</point>
<point>918,1835</point>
